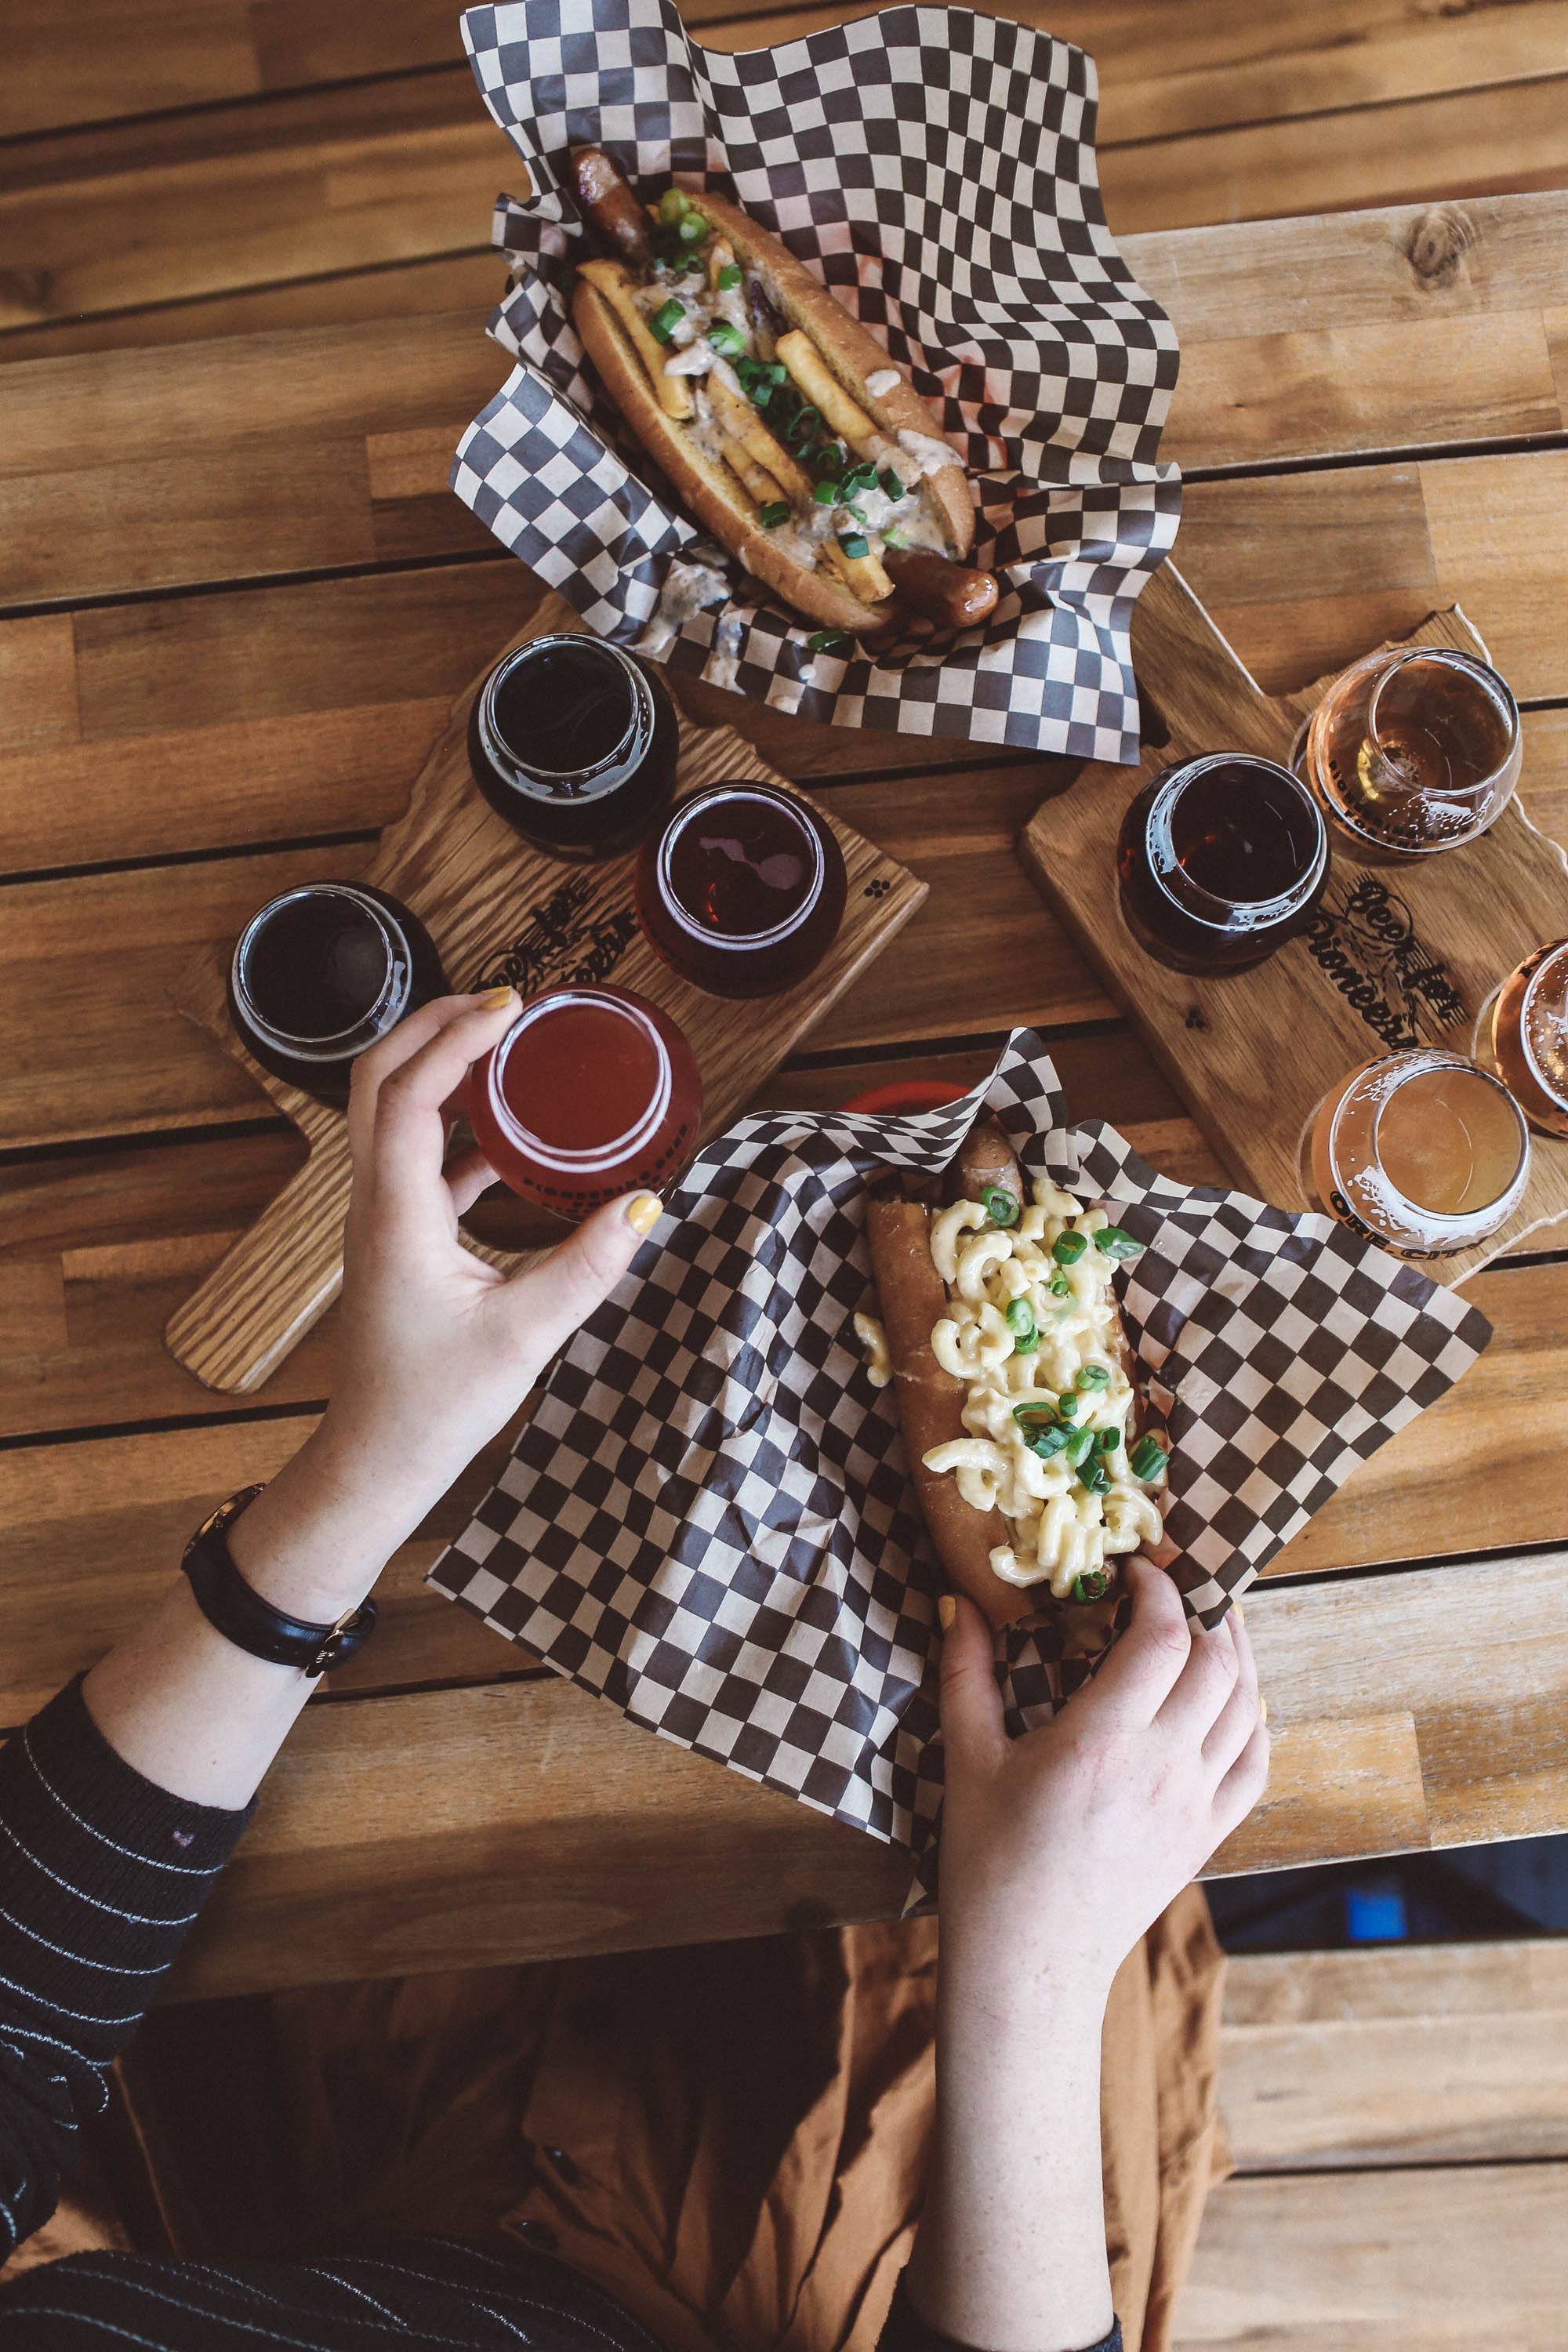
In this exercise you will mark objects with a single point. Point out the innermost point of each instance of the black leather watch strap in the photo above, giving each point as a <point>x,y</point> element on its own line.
<point>240,1613</point>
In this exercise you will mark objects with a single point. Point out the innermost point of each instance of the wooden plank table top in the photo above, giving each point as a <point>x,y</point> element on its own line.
<point>235,600</point>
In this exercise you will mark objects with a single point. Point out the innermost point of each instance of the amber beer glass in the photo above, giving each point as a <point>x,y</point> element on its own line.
<point>743,890</point>
<point>1422,1150</point>
<point>1221,860</point>
<point>593,1092</point>
<point>1529,1036</point>
<point>322,972</point>
<point>1414,753</point>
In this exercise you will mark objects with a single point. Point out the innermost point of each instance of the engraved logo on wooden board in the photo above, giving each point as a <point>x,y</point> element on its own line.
<point>1363,937</point>
<point>558,944</point>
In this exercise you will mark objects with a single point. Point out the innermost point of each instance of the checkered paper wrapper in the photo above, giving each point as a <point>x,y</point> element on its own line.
<point>936,169</point>
<point>707,1519</point>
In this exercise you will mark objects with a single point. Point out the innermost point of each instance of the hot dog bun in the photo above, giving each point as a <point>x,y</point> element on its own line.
<point>912,1248</point>
<point>751,386</point>
<point>931,1404</point>
<point>703,486</point>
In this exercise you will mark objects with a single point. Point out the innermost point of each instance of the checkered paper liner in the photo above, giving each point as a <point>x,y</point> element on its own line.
<point>936,169</point>
<point>707,1519</point>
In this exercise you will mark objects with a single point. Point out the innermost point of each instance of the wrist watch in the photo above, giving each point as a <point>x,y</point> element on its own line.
<point>239,1612</point>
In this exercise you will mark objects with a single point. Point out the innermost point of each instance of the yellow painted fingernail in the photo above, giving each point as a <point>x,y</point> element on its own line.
<point>1262,1710</point>
<point>644,1213</point>
<point>494,998</point>
<point>1235,1613</point>
<point>947,1613</point>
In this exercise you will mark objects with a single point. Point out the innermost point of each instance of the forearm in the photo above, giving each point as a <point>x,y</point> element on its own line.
<point>185,1706</point>
<point>1011,2250</point>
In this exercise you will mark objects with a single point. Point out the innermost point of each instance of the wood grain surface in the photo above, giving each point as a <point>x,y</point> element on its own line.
<point>247,275</point>
<point>1254,1052</point>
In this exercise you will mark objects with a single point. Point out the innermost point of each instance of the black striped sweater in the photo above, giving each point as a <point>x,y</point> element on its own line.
<point>101,1874</point>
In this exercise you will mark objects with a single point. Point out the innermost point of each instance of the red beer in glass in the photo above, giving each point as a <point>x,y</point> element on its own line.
<point>742,890</point>
<point>593,1092</point>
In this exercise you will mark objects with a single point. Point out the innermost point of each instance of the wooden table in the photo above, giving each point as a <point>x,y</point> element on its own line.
<point>234,599</point>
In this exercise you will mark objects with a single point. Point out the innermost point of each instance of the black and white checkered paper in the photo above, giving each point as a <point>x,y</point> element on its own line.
<point>707,1520</point>
<point>936,169</point>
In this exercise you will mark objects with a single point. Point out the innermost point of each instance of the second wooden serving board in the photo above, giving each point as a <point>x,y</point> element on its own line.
<point>1397,955</point>
<point>499,910</point>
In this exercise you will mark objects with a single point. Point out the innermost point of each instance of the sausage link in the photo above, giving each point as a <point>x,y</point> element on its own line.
<point>611,209</point>
<point>948,593</point>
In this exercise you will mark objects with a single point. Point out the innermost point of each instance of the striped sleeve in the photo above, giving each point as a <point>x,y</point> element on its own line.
<point>102,1872</point>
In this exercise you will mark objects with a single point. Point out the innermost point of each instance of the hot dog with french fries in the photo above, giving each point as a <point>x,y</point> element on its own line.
<point>1016,1389</point>
<point>775,415</point>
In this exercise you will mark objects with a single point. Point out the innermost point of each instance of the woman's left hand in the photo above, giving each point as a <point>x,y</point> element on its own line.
<point>437,1349</point>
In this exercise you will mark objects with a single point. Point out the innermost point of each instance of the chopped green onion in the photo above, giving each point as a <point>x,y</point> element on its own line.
<point>892,485</point>
<point>826,641</point>
<point>1093,1475</point>
<point>1117,1243</point>
<point>1045,1442</point>
<point>1059,1287</point>
<point>803,426</point>
<point>855,545</point>
<point>1035,1417</point>
<point>773,513</point>
<point>1148,1458</point>
<point>1001,1206</point>
<point>894,539</point>
<point>829,460</point>
<point>729,278</point>
<point>860,478</point>
<point>1092,1587</point>
<point>693,229</point>
<point>1019,1319</point>
<point>1068,1248</point>
<point>726,340</point>
<point>1109,1439</point>
<point>1092,1375</point>
<point>672,207</point>
<point>1067,1405</point>
<point>1079,1446</point>
<point>666,319</point>
<point>778,372</point>
<point>826,492</point>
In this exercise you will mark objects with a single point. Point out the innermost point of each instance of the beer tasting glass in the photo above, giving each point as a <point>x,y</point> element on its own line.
<point>1529,1036</point>
<point>1412,753</point>
<point>575,743</point>
<point>1423,1150</point>
<point>593,1092</point>
<point>322,972</point>
<point>1221,860</point>
<point>743,890</point>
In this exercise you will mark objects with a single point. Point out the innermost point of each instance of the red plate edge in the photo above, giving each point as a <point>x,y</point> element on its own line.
<point>903,1096</point>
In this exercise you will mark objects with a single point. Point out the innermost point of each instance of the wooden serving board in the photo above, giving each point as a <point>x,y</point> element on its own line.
<point>499,910</point>
<point>1399,955</point>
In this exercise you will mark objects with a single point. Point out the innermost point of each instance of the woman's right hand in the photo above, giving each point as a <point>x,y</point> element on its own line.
<point>1060,1848</point>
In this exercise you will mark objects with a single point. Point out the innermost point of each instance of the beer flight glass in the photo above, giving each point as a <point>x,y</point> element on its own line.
<point>1414,751</point>
<point>1221,860</point>
<point>1423,1150</point>
<point>320,974</point>
<point>1529,1036</point>
<point>575,744</point>
<point>742,889</point>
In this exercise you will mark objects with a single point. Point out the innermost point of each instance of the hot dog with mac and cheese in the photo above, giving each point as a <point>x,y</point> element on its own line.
<point>1015,1384</point>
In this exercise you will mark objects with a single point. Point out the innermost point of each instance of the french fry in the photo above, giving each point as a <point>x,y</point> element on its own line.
<point>760,484</point>
<point>863,573</point>
<point>740,420</point>
<point>608,278</point>
<point>721,256</point>
<point>848,420</point>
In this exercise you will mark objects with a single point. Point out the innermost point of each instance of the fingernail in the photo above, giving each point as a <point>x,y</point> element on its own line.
<point>1262,1709</point>
<point>494,998</point>
<point>643,1211</point>
<point>1235,1613</point>
<point>947,1613</point>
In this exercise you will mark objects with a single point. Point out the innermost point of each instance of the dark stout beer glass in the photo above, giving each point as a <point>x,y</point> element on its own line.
<point>743,890</point>
<point>322,972</point>
<point>1221,859</point>
<point>575,743</point>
